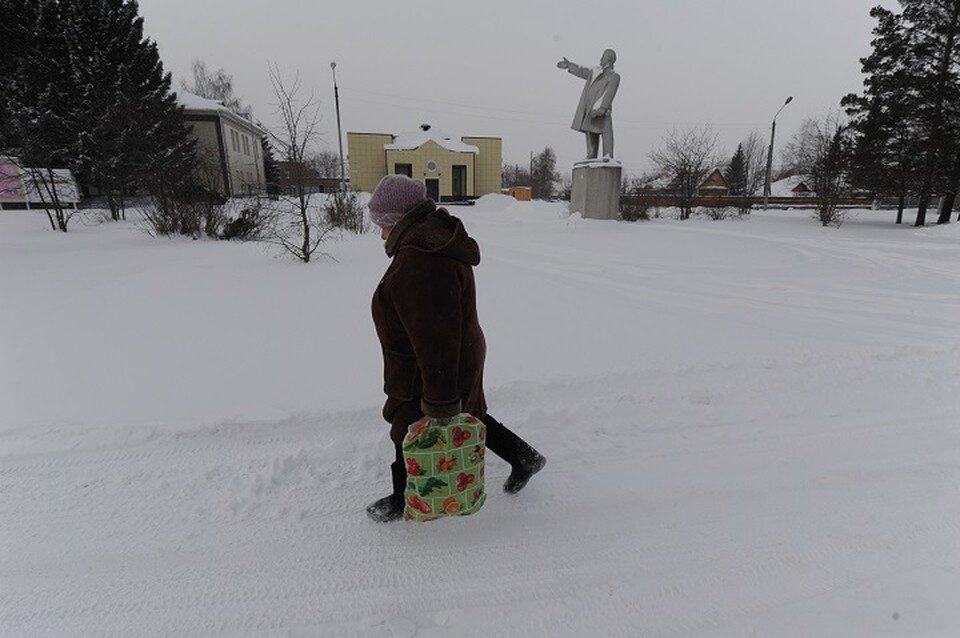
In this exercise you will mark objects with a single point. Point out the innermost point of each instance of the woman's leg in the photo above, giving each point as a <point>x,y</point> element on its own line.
<point>521,456</point>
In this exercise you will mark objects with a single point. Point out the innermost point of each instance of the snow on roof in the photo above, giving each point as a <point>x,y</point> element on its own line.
<point>784,187</point>
<point>189,100</point>
<point>193,102</point>
<point>415,139</point>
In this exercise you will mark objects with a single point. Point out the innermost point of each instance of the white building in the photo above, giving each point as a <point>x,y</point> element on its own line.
<point>229,145</point>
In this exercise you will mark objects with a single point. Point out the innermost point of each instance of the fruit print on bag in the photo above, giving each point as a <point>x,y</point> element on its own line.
<point>444,468</point>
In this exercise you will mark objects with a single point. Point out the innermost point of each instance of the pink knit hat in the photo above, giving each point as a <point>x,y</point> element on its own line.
<point>393,197</point>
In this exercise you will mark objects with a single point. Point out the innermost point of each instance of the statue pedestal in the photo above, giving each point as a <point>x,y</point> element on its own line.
<point>595,192</point>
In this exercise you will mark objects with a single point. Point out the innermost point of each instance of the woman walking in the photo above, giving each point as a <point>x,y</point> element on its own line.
<point>425,312</point>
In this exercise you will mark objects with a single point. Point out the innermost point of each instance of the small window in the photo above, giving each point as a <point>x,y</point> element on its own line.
<point>246,145</point>
<point>403,169</point>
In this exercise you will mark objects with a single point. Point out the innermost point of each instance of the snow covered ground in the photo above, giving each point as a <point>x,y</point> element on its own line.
<point>752,430</point>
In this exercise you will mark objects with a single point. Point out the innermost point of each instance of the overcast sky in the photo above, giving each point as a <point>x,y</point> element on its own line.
<point>488,67</point>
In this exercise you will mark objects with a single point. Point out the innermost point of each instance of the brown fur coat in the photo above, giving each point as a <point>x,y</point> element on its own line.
<point>425,312</point>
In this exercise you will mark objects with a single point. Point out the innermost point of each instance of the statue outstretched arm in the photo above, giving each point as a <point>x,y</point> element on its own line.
<point>575,69</point>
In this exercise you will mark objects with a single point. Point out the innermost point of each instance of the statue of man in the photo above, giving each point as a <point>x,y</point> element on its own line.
<point>594,115</point>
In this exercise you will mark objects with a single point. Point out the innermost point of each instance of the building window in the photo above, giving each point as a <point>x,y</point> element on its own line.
<point>246,145</point>
<point>403,169</point>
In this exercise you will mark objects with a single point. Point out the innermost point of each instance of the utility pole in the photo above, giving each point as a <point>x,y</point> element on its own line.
<point>773,132</point>
<point>336,99</point>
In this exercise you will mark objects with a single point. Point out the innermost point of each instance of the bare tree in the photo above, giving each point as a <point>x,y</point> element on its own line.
<point>545,175</point>
<point>755,162</point>
<point>819,151</point>
<point>297,226</point>
<point>514,175</point>
<point>48,184</point>
<point>687,156</point>
<point>216,85</point>
<point>326,163</point>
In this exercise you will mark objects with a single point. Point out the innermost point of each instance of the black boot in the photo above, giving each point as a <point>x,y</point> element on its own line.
<point>385,510</point>
<point>390,508</point>
<point>530,463</point>
<point>524,460</point>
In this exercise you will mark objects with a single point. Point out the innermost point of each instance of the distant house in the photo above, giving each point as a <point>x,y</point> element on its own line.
<point>229,146</point>
<point>287,178</point>
<point>715,185</point>
<point>24,188</point>
<point>793,186</point>
<point>452,168</point>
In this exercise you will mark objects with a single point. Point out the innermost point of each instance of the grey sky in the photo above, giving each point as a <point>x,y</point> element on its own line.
<point>488,67</point>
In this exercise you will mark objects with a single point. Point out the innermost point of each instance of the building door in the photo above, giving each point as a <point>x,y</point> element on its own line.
<point>433,189</point>
<point>460,181</point>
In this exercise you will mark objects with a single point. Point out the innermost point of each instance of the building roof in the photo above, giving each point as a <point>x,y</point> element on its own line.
<point>196,104</point>
<point>415,139</point>
<point>714,180</point>
<point>787,186</point>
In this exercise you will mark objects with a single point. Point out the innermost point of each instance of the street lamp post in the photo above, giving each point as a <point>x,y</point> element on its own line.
<point>336,99</point>
<point>773,132</point>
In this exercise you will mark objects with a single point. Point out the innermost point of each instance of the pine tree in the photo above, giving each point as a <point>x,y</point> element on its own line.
<point>883,122</point>
<point>737,173</point>
<point>933,27</point>
<point>133,123</point>
<point>271,172</point>
<point>42,122</point>
<point>18,45</point>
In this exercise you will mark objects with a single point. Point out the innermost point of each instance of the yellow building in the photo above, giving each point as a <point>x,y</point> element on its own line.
<point>453,169</point>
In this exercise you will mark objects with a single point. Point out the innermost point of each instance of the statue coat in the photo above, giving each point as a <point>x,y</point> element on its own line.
<point>599,91</point>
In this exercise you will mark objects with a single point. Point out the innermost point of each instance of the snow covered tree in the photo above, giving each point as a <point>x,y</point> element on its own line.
<point>41,121</point>
<point>124,95</point>
<point>18,46</point>
<point>87,91</point>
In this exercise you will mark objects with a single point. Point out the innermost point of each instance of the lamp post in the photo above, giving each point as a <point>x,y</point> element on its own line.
<point>336,99</point>
<point>773,132</point>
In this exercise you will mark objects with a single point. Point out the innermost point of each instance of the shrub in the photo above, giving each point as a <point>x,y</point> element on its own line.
<point>343,210</point>
<point>248,225</point>
<point>635,209</point>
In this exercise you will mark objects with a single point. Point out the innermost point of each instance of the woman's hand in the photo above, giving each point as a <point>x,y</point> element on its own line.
<point>422,424</point>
